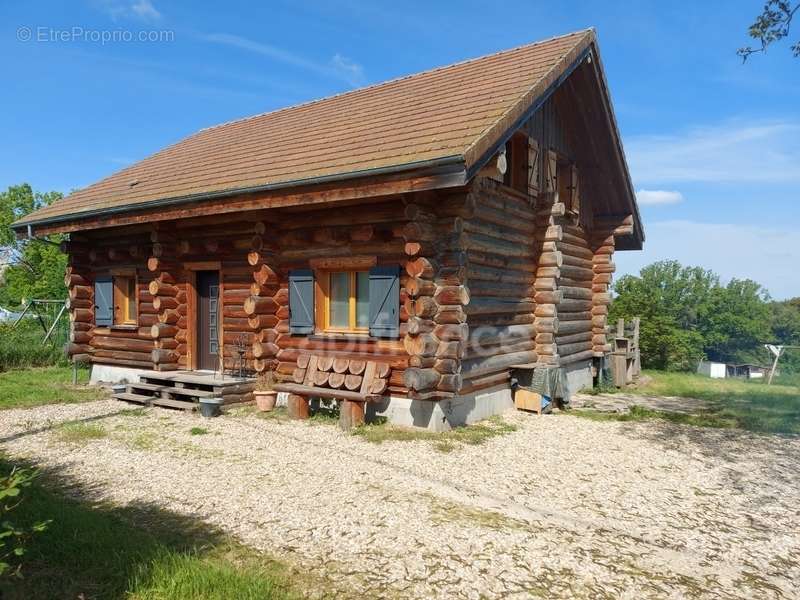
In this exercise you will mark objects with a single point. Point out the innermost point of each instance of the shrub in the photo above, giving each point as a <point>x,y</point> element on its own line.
<point>12,537</point>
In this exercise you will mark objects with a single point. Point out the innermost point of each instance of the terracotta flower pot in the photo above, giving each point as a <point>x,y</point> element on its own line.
<point>265,399</point>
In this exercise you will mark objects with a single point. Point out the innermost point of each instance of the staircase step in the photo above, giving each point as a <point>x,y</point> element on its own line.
<point>150,387</point>
<point>138,398</point>
<point>189,392</point>
<point>172,403</point>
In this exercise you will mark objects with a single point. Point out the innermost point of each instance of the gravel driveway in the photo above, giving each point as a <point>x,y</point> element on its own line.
<point>561,507</point>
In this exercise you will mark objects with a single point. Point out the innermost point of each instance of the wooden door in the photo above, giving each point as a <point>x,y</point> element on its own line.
<point>207,320</point>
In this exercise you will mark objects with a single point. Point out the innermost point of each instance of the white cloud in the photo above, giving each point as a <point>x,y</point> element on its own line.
<point>142,10</point>
<point>339,67</point>
<point>145,10</point>
<point>766,255</point>
<point>351,71</point>
<point>733,152</point>
<point>650,197</point>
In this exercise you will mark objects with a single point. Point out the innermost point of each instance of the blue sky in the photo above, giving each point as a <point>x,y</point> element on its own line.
<point>713,145</point>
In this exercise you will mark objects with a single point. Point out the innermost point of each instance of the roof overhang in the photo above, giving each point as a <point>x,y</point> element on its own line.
<point>445,172</point>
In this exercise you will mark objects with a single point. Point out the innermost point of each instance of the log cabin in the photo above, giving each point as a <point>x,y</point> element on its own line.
<point>437,231</point>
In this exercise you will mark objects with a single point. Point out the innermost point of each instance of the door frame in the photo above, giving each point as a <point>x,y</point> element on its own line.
<point>191,309</point>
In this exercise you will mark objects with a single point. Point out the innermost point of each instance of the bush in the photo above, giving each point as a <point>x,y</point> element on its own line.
<point>22,347</point>
<point>13,538</point>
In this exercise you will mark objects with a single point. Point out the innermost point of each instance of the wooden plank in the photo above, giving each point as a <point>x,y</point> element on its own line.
<point>315,392</point>
<point>310,371</point>
<point>369,374</point>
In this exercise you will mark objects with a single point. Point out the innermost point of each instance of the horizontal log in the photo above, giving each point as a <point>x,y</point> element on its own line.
<point>424,307</point>
<point>160,356</point>
<point>572,305</point>
<point>259,305</point>
<point>480,306</point>
<point>475,367</point>
<point>450,314</point>
<point>577,357</point>
<point>576,293</point>
<point>162,330</point>
<point>421,379</point>
<point>159,288</point>
<point>452,295</point>
<point>416,287</point>
<point>424,344</point>
<point>542,297</point>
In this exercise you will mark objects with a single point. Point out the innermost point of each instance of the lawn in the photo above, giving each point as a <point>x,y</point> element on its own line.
<point>141,553</point>
<point>750,405</point>
<point>24,388</point>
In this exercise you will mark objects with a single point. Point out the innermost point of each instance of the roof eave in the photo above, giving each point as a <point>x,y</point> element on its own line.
<point>452,165</point>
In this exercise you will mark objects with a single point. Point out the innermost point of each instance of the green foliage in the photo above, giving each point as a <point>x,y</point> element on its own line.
<point>785,325</point>
<point>22,347</point>
<point>771,26</point>
<point>198,431</point>
<point>36,268</point>
<point>13,538</point>
<point>687,314</point>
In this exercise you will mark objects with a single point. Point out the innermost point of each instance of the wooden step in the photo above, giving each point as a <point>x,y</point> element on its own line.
<point>175,391</point>
<point>137,398</point>
<point>172,403</point>
<point>150,387</point>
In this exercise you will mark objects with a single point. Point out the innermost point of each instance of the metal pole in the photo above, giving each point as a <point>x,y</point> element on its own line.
<point>774,365</point>
<point>55,322</point>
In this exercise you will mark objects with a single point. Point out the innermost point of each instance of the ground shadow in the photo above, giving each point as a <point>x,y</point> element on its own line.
<point>92,549</point>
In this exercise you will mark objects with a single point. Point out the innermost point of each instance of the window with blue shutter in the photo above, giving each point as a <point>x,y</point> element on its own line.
<point>384,301</point>
<point>103,302</point>
<point>301,301</point>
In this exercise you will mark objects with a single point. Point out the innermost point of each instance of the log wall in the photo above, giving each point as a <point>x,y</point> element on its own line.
<point>490,277</point>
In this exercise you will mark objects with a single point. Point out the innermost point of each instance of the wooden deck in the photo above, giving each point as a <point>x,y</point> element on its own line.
<point>184,389</point>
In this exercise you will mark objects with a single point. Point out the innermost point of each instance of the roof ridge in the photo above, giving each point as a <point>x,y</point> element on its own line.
<point>388,81</point>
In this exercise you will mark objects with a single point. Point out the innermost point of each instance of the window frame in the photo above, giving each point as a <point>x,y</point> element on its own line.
<point>323,279</point>
<point>121,314</point>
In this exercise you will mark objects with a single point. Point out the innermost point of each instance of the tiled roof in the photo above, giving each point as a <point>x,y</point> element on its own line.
<point>456,111</point>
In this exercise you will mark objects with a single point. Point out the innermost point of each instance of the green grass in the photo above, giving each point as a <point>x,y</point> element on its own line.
<point>80,433</point>
<point>198,431</point>
<point>23,347</point>
<point>137,552</point>
<point>745,404</point>
<point>446,441</point>
<point>46,385</point>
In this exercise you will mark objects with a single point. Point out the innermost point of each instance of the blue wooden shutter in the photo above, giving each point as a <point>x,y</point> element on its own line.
<point>103,301</point>
<point>384,301</point>
<point>301,301</point>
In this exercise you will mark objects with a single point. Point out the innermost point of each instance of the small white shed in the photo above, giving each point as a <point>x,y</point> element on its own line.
<point>715,370</point>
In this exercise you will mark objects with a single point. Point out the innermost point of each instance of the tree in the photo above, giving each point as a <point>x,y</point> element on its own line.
<point>770,26</point>
<point>669,298</point>
<point>33,268</point>
<point>687,314</point>
<point>735,322</point>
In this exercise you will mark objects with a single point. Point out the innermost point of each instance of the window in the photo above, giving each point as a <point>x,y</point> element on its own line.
<point>330,299</point>
<point>567,185</point>
<point>115,300</point>
<point>345,301</point>
<point>125,312</point>
<point>516,175</point>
